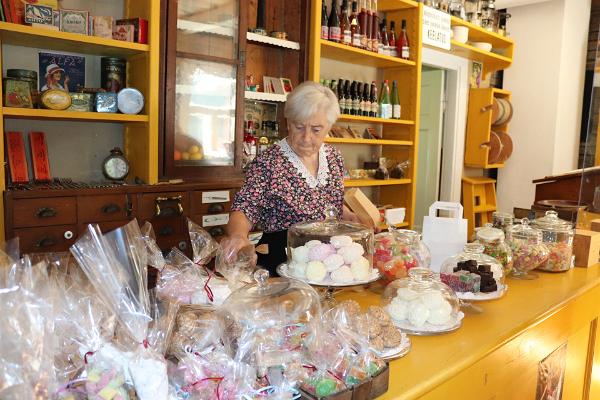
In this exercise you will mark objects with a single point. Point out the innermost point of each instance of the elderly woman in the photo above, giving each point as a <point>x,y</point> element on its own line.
<point>293,181</point>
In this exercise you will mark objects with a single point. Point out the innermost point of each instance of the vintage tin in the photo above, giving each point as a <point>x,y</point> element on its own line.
<point>81,102</point>
<point>56,99</point>
<point>130,101</point>
<point>24,75</point>
<point>113,73</point>
<point>17,93</point>
<point>38,14</point>
<point>106,102</point>
<point>74,21</point>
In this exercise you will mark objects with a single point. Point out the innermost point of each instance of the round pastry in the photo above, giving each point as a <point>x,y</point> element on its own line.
<point>340,241</point>
<point>432,299</point>
<point>377,343</point>
<point>300,254</point>
<point>312,243</point>
<point>333,262</point>
<point>392,337</point>
<point>407,294</point>
<point>438,316</point>
<point>417,313</point>
<point>374,330</point>
<point>342,275</point>
<point>351,306</point>
<point>186,318</point>
<point>379,314</point>
<point>298,269</point>
<point>315,271</point>
<point>398,309</point>
<point>361,269</point>
<point>320,252</point>
<point>351,252</point>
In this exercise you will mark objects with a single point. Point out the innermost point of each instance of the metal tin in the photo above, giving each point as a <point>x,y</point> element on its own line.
<point>17,93</point>
<point>130,101</point>
<point>81,102</point>
<point>56,99</point>
<point>106,102</point>
<point>113,73</point>
<point>24,75</point>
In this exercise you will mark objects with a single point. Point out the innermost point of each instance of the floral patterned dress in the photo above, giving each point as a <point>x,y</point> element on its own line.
<point>279,192</point>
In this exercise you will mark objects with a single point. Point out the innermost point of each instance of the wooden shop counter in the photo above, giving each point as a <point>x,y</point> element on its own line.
<point>496,353</point>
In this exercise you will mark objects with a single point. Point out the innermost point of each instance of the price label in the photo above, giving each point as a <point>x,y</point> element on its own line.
<point>436,28</point>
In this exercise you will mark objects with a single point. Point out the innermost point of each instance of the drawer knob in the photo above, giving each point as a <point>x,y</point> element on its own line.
<point>68,235</point>
<point>217,231</point>
<point>182,245</point>
<point>166,231</point>
<point>168,206</point>
<point>111,208</point>
<point>45,242</point>
<point>216,208</point>
<point>46,212</point>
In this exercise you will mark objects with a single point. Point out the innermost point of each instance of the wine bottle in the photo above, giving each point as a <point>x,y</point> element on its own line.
<point>352,98</point>
<point>392,39</point>
<point>335,33</point>
<point>373,99</point>
<point>374,26</point>
<point>362,18</point>
<point>348,102</point>
<point>345,24</point>
<point>361,102</point>
<point>403,46</point>
<point>356,100</point>
<point>396,110</point>
<point>385,44</point>
<point>369,27</point>
<point>324,24</point>
<point>355,25</point>
<point>385,106</point>
<point>340,94</point>
<point>366,101</point>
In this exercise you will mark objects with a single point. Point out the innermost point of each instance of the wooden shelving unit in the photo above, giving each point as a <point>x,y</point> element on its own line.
<point>399,137</point>
<point>32,113</point>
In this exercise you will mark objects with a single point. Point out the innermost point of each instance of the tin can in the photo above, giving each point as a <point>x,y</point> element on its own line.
<point>81,102</point>
<point>24,75</point>
<point>113,73</point>
<point>56,99</point>
<point>130,101</point>
<point>106,102</point>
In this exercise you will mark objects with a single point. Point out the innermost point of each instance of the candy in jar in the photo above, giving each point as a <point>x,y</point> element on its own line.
<point>503,220</point>
<point>557,235</point>
<point>494,245</point>
<point>393,258</point>
<point>528,250</point>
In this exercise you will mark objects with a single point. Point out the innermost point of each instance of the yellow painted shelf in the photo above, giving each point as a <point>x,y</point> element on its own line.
<point>33,113</point>
<point>353,55</point>
<point>374,142</point>
<point>375,120</point>
<point>375,182</point>
<point>478,34</point>
<point>491,61</point>
<point>392,5</point>
<point>482,209</point>
<point>23,35</point>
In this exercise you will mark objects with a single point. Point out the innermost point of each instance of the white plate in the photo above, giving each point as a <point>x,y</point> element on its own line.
<point>470,296</point>
<point>429,329</point>
<point>395,352</point>
<point>283,271</point>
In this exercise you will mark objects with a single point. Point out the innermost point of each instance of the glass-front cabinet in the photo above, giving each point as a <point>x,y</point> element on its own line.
<point>203,88</point>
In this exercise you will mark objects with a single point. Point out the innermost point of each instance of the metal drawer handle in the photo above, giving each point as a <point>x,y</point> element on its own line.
<point>168,210</point>
<point>45,242</point>
<point>217,231</point>
<point>46,212</point>
<point>111,208</point>
<point>216,208</point>
<point>166,231</point>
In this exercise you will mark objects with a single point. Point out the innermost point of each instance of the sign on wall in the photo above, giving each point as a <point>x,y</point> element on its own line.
<point>436,28</point>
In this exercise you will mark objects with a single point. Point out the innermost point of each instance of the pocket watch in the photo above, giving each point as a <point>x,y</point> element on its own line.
<point>115,167</point>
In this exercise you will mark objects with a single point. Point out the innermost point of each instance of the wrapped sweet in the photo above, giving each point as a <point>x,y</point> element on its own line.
<point>330,251</point>
<point>557,235</point>
<point>529,252</point>
<point>421,304</point>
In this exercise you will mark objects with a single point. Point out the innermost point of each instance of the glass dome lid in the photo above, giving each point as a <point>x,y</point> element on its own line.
<point>551,222</point>
<point>490,234</point>
<point>330,226</point>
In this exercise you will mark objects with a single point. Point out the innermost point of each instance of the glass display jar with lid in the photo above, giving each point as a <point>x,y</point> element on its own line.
<point>420,304</point>
<point>557,235</point>
<point>330,252</point>
<point>503,220</point>
<point>494,245</point>
<point>393,257</point>
<point>529,252</point>
<point>474,275</point>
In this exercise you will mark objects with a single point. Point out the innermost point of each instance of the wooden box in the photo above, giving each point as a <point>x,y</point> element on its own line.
<point>595,225</point>
<point>586,247</point>
<point>367,390</point>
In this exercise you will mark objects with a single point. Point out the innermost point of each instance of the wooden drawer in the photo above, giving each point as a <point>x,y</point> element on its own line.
<point>170,205</point>
<point>212,202</point>
<point>171,232</point>
<point>46,239</point>
<point>44,212</point>
<point>212,223</point>
<point>112,207</point>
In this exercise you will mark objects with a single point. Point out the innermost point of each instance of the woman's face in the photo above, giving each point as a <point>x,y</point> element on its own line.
<point>306,137</point>
<point>56,76</point>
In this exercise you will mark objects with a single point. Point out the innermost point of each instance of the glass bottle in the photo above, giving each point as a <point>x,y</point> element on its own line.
<point>403,45</point>
<point>324,24</point>
<point>361,100</point>
<point>335,33</point>
<point>348,103</point>
<point>369,26</point>
<point>396,109</point>
<point>385,106</point>
<point>341,96</point>
<point>249,144</point>
<point>345,25</point>
<point>366,100</point>
<point>355,25</point>
<point>356,99</point>
<point>373,99</point>
<point>385,44</point>
<point>352,97</point>
<point>263,138</point>
<point>374,26</point>
<point>392,39</point>
<point>364,26</point>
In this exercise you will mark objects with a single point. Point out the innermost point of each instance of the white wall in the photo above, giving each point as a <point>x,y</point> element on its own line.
<point>546,80</point>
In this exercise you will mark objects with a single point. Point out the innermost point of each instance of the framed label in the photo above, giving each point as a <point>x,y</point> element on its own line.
<point>39,156</point>
<point>436,28</point>
<point>215,220</point>
<point>17,161</point>
<point>215,197</point>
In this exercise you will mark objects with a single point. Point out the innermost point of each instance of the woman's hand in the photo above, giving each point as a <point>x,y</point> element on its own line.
<point>235,246</point>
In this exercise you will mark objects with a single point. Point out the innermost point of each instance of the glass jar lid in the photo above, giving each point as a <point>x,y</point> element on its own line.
<point>490,234</point>
<point>331,226</point>
<point>503,216</point>
<point>525,231</point>
<point>551,222</point>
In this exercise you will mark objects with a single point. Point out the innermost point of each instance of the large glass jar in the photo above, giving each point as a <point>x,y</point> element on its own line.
<point>331,251</point>
<point>557,235</point>
<point>414,241</point>
<point>503,220</point>
<point>494,245</point>
<point>528,250</point>
<point>392,257</point>
<point>421,304</point>
<point>472,271</point>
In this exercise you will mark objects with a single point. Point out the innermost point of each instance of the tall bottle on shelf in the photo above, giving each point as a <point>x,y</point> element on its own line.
<point>341,96</point>
<point>374,26</point>
<point>392,39</point>
<point>362,18</point>
<point>373,98</point>
<point>366,101</point>
<point>395,100</point>
<point>355,25</point>
<point>403,45</point>
<point>324,23</point>
<point>345,24</point>
<point>369,26</point>
<point>385,44</point>
<point>385,105</point>
<point>348,102</point>
<point>335,33</point>
<point>352,98</point>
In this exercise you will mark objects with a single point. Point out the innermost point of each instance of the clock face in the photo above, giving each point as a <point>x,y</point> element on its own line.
<point>116,168</point>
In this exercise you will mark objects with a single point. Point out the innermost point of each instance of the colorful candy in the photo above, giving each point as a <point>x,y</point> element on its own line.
<point>392,258</point>
<point>560,257</point>
<point>527,256</point>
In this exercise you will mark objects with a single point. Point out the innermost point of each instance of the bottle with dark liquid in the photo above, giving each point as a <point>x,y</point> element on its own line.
<point>369,26</point>
<point>392,39</point>
<point>396,110</point>
<point>345,25</point>
<point>340,94</point>
<point>361,101</point>
<point>355,25</point>
<point>348,102</point>
<point>356,99</point>
<point>403,46</point>
<point>373,99</point>
<point>352,98</point>
<point>335,33</point>
<point>366,100</point>
<point>385,44</point>
<point>362,19</point>
<point>374,26</point>
<point>324,25</point>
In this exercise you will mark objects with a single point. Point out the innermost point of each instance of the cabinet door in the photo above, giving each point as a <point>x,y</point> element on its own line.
<point>204,88</point>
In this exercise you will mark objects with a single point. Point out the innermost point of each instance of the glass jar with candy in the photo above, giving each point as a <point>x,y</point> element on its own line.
<point>393,257</point>
<point>557,235</point>
<point>503,220</point>
<point>494,245</point>
<point>529,252</point>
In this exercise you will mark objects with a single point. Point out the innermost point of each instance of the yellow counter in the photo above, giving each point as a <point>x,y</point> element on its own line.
<point>495,354</point>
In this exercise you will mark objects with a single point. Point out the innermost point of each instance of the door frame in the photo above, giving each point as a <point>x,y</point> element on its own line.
<point>455,119</point>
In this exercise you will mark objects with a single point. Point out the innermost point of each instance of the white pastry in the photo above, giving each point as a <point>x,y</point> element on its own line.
<point>312,243</point>
<point>300,254</point>
<point>340,241</point>
<point>497,272</point>
<point>398,309</point>
<point>438,316</point>
<point>351,252</point>
<point>315,271</point>
<point>432,299</point>
<point>407,294</point>
<point>342,275</point>
<point>361,269</point>
<point>298,269</point>
<point>417,313</point>
<point>320,252</point>
<point>333,262</point>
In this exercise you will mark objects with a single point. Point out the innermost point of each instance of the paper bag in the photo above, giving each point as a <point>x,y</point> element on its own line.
<point>445,236</point>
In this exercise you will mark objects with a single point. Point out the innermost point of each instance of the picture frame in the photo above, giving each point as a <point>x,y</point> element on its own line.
<point>277,85</point>
<point>61,71</point>
<point>287,85</point>
<point>268,85</point>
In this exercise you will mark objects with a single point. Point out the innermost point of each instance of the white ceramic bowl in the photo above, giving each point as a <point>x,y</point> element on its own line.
<point>460,33</point>
<point>485,46</point>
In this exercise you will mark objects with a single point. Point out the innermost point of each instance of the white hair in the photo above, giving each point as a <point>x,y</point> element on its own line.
<point>307,99</point>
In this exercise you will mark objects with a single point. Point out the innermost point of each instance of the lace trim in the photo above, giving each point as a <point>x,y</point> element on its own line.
<point>323,172</point>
